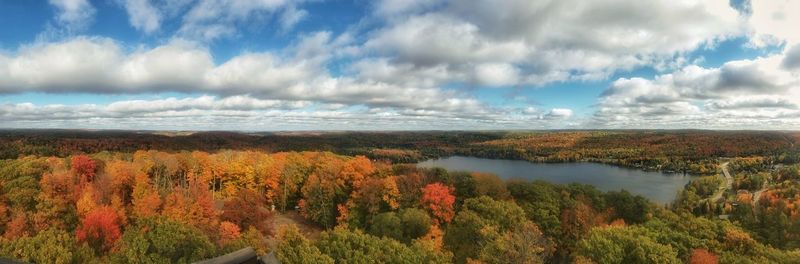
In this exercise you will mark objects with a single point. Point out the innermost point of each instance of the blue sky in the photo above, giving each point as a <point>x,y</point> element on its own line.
<point>399,64</point>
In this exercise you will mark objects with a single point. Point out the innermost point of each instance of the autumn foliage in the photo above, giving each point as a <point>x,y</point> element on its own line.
<point>84,167</point>
<point>100,228</point>
<point>184,206</point>
<point>228,232</point>
<point>246,210</point>
<point>436,198</point>
<point>703,256</point>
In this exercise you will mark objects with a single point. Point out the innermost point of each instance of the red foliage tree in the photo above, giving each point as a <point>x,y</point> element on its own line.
<point>228,232</point>
<point>247,209</point>
<point>437,199</point>
<point>83,167</point>
<point>100,228</point>
<point>17,227</point>
<point>702,256</point>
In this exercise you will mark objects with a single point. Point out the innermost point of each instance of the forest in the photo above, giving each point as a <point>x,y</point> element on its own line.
<point>84,197</point>
<point>688,151</point>
<point>160,207</point>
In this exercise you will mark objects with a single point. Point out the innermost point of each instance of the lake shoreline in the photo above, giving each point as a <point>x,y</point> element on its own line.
<point>658,186</point>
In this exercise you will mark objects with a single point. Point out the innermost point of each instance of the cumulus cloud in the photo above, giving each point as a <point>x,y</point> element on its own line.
<point>100,65</point>
<point>496,74</point>
<point>416,62</point>
<point>73,14</point>
<point>539,42</point>
<point>143,15</point>
<point>792,59</point>
<point>383,70</point>
<point>737,94</point>
<point>247,113</point>
<point>752,102</point>
<point>772,22</point>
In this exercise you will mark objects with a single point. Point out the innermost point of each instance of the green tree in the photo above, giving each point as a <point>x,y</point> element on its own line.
<point>415,222</point>
<point>387,225</point>
<point>292,247</point>
<point>525,244</point>
<point>346,246</point>
<point>632,209</point>
<point>541,202</point>
<point>624,245</point>
<point>158,240</point>
<point>465,186</point>
<point>404,226</point>
<point>49,246</point>
<point>479,222</point>
<point>319,201</point>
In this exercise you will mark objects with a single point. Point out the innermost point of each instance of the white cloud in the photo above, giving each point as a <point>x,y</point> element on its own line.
<point>100,65</point>
<point>143,15</point>
<point>79,64</point>
<point>792,59</point>
<point>214,19</point>
<point>549,41</point>
<point>758,94</point>
<point>178,65</point>
<point>496,74</point>
<point>395,7</point>
<point>200,103</point>
<point>291,16</point>
<point>383,70</point>
<point>409,51</point>
<point>774,21</point>
<point>247,113</point>
<point>768,102</point>
<point>73,14</point>
<point>558,113</point>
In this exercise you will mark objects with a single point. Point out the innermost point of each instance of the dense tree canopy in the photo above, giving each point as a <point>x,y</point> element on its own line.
<point>178,207</point>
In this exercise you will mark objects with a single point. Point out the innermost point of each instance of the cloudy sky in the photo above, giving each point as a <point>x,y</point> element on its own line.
<point>399,64</point>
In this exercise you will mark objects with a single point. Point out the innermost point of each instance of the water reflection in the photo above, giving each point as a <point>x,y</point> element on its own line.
<point>657,186</point>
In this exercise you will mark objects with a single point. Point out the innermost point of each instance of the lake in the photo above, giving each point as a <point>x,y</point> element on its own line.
<point>657,186</point>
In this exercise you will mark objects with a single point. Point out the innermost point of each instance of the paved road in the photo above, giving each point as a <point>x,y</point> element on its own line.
<point>757,194</point>
<point>728,183</point>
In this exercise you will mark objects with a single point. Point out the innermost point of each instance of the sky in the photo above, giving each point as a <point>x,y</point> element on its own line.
<point>279,65</point>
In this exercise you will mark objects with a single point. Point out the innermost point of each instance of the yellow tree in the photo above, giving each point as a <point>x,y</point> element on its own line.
<point>269,170</point>
<point>355,170</point>
<point>193,206</point>
<point>122,178</point>
<point>294,171</point>
<point>377,195</point>
<point>146,200</point>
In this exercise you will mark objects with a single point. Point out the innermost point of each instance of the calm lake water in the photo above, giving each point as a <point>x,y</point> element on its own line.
<point>659,187</point>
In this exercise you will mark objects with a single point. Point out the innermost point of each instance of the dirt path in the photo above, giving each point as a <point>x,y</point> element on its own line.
<point>309,230</point>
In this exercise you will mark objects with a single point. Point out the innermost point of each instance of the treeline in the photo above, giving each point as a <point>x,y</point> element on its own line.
<point>695,152</point>
<point>62,143</point>
<point>160,207</point>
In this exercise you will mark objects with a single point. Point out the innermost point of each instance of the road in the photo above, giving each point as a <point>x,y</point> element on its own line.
<point>757,194</point>
<point>728,183</point>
